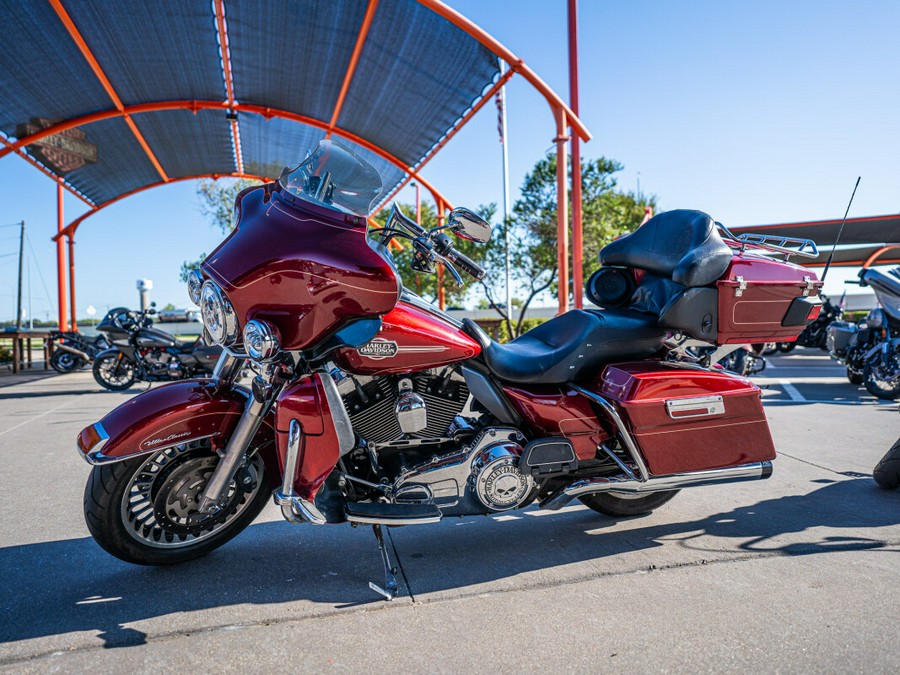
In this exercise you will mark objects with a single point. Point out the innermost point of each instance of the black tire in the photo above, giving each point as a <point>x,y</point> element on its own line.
<point>637,505</point>
<point>876,383</point>
<point>115,372</point>
<point>887,472</point>
<point>122,502</point>
<point>65,362</point>
<point>786,347</point>
<point>854,377</point>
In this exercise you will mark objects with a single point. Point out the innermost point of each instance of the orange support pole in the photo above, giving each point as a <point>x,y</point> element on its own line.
<point>577,242</point>
<point>60,258</point>
<point>562,210</point>
<point>440,270</point>
<point>73,322</point>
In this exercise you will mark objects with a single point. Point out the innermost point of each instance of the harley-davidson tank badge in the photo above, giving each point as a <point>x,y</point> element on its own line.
<point>379,348</point>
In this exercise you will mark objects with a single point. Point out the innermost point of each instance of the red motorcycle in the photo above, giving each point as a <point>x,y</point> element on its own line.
<point>374,407</point>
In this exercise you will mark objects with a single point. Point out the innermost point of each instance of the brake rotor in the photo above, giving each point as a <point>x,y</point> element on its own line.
<point>176,500</point>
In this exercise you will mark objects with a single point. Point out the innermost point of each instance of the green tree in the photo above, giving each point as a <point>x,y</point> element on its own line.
<point>606,214</point>
<point>216,203</point>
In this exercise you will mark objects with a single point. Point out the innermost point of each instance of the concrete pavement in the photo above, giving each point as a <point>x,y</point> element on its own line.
<point>795,574</point>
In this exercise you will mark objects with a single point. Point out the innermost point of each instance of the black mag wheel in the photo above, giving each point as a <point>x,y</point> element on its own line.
<point>144,510</point>
<point>883,381</point>
<point>625,504</point>
<point>65,362</point>
<point>887,472</point>
<point>115,372</point>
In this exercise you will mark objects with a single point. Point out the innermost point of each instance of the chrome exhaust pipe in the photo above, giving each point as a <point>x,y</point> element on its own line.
<point>77,352</point>
<point>676,481</point>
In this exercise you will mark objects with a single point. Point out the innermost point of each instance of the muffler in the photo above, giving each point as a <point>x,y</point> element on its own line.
<point>677,481</point>
<point>72,350</point>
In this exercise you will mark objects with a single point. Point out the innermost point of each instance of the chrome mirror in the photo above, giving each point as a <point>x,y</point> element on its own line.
<point>469,225</point>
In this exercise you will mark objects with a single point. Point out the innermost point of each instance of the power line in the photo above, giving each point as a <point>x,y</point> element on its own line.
<point>38,267</point>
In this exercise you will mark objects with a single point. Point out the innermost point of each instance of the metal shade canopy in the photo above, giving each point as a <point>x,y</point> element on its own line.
<point>112,98</point>
<point>864,241</point>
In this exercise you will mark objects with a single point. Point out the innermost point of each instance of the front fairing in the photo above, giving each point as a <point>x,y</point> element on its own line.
<point>304,269</point>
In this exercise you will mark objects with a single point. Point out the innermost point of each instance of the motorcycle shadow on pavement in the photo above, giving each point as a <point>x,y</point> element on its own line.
<point>277,572</point>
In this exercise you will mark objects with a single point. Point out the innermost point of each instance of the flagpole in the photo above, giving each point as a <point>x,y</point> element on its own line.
<point>502,104</point>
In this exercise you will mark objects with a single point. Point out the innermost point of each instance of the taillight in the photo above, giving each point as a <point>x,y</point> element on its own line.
<point>813,313</point>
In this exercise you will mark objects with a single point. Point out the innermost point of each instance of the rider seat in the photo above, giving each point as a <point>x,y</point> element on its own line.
<point>573,345</point>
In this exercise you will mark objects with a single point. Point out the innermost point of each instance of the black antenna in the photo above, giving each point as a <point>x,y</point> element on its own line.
<point>840,230</point>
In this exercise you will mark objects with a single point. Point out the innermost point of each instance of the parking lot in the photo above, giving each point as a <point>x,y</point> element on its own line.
<point>794,574</point>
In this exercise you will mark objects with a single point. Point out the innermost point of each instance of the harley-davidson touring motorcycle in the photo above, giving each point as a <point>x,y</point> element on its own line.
<point>373,407</point>
<point>871,348</point>
<point>140,352</point>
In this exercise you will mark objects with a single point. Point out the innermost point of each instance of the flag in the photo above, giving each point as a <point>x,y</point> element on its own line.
<point>499,102</point>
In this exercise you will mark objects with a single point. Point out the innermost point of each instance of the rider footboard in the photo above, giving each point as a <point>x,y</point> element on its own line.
<point>688,419</point>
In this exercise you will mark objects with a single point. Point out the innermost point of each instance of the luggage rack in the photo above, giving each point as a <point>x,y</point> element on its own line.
<point>805,248</point>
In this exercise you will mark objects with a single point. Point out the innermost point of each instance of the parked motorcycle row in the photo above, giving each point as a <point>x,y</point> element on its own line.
<point>871,348</point>
<point>129,349</point>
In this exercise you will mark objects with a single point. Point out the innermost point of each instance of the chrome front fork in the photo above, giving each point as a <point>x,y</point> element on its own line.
<point>294,508</point>
<point>226,372</point>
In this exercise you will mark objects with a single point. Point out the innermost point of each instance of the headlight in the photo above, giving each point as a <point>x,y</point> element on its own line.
<point>195,286</point>
<point>218,314</point>
<point>260,341</point>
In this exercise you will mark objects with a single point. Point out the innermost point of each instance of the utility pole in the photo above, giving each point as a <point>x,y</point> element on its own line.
<point>21,256</point>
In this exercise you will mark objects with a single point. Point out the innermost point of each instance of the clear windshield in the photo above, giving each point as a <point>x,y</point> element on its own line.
<point>334,176</point>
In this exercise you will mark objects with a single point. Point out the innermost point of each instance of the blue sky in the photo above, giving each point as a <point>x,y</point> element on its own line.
<point>755,112</point>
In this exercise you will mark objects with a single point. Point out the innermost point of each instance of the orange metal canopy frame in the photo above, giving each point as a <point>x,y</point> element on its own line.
<point>566,122</point>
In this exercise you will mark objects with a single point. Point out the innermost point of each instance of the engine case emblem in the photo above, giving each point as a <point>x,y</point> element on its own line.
<point>499,484</point>
<point>379,348</point>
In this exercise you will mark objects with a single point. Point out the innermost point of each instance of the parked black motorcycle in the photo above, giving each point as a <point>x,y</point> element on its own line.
<point>140,352</point>
<point>816,333</point>
<point>73,351</point>
<point>871,348</point>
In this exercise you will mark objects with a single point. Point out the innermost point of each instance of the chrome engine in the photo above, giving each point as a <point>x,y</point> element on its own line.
<point>403,411</point>
<point>482,477</point>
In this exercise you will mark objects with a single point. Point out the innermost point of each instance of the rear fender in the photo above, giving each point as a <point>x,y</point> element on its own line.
<point>172,414</point>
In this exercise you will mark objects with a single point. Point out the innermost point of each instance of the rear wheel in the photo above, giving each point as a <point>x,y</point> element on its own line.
<point>144,510</point>
<point>786,347</point>
<point>887,472</point>
<point>114,371</point>
<point>854,377</point>
<point>624,504</point>
<point>65,362</point>
<point>883,381</point>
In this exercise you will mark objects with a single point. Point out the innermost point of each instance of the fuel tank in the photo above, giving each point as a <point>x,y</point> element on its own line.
<point>411,338</point>
<point>152,337</point>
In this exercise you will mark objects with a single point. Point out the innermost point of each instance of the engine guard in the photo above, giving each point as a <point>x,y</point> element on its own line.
<point>172,414</point>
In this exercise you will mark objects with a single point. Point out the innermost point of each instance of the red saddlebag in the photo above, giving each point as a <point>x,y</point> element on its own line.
<point>765,300</point>
<point>687,419</point>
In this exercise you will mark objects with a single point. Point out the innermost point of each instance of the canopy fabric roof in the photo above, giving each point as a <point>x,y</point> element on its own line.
<point>861,239</point>
<point>117,96</point>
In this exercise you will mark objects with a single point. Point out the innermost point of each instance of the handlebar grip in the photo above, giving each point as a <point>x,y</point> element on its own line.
<point>466,264</point>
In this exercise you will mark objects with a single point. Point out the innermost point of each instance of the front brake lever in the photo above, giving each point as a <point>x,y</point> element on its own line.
<point>446,263</point>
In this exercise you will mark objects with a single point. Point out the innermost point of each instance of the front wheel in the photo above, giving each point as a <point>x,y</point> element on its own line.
<point>114,371</point>
<point>786,347</point>
<point>854,377</point>
<point>65,362</point>
<point>887,472</point>
<point>882,381</point>
<point>624,504</point>
<point>144,510</point>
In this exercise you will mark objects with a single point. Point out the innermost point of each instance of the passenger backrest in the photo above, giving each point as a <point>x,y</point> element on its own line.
<point>681,245</point>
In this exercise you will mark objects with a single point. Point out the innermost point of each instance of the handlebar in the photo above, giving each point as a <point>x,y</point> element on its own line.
<point>466,264</point>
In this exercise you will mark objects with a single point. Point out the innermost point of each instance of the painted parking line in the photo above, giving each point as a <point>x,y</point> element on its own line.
<point>791,390</point>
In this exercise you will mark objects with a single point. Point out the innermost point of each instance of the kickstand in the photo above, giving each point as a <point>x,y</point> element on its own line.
<point>390,581</point>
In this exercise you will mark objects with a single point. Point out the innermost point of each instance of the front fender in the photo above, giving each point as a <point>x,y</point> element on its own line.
<point>172,414</point>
